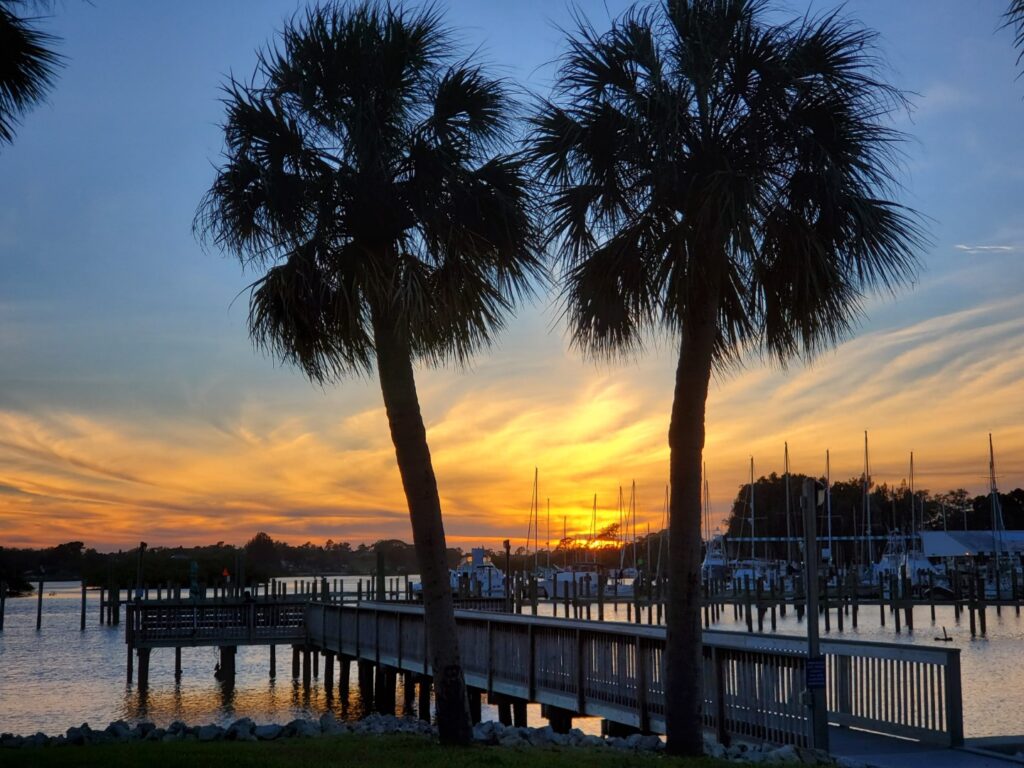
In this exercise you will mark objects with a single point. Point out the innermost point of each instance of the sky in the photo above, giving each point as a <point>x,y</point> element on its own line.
<point>133,405</point>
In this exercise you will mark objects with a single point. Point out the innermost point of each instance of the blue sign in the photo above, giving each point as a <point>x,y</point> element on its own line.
<point>816,672</point>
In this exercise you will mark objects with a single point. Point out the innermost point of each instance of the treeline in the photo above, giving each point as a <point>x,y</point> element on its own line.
<point>890,509</point>
<point>260,559</point>
<point>263,558</point>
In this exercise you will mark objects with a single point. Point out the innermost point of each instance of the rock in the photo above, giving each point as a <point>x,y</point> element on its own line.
<point>39,739</point>
<point>210,733</point>
<point>141,730</point>
<point>267,732</point>
<point>177,727</point>
<point>810,756</point>
<point>118,731</point>
<point>81,736</point>
<point>241,730</point>
<point>305,729</point>
<point>786,754</point>
<point>714,749</point>
<point>512,738</point>
<point>331,726</point>
<point>650,743</point>
<point>157,734</point>
<point>592,741</point>
<point>483,734</point>
<point>11,741</point>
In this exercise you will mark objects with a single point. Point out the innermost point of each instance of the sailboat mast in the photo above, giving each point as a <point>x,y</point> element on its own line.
<point>549,532</point>
<point>867,503</point>
<point>536,519</point>
<point>633,512</point>
<point>789,532</point>
<point>997,513</point>
<point>828,503</point>
<point>753,554</point>
<point>913,502</point>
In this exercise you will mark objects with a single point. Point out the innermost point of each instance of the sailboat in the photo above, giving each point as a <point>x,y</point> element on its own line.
<point>755,568</point>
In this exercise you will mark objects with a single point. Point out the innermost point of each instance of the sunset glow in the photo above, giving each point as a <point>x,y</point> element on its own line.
<point>133,407</point>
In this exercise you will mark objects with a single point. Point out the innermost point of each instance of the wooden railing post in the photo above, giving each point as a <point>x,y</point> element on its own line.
<point>718,691</point>
<point>641,686</point>
<point>954,700</point>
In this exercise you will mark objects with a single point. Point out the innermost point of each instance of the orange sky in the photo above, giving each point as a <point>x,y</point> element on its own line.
<point>322,466</point>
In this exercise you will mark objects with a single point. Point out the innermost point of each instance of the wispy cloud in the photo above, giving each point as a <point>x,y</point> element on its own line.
<point>985,248</point>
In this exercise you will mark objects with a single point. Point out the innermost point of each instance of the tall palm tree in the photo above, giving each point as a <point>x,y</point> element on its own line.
<point>367,172</point>
<point>28,64</point>
<point>721,182</point>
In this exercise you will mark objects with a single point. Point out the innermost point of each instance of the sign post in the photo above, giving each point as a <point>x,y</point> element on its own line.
<point>815,682</point>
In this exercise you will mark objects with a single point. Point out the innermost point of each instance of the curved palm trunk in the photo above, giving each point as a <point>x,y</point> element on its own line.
<point>398,386</point>
<point>684,655</point>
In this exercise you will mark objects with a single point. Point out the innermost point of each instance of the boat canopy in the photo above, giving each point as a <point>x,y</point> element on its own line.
<point>970,543</point>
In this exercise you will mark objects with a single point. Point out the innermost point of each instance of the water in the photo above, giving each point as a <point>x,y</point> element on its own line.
<point>61,677</point>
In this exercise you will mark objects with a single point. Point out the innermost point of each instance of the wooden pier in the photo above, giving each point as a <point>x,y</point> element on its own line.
<point>753,683</point>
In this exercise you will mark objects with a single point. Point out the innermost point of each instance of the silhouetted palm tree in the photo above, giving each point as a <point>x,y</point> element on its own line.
<point>28,65</point>
<point>1015,20</point>
<point>367,171</point>
<point>723,183</point>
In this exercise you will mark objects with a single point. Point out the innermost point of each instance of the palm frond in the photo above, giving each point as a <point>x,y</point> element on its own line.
<point>1014,17</point>
<point>28,66</point>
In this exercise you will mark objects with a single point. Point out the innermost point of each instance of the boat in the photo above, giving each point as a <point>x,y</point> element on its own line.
<point>716,564</point>
<point>477,576</point>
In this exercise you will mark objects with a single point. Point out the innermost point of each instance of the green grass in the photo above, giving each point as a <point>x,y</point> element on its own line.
<point>351,750</point>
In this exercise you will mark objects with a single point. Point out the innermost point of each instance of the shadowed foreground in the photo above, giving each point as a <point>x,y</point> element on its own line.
<point>379,751</point>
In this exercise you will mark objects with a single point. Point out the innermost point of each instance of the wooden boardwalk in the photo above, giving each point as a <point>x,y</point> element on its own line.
<point>753,684</point>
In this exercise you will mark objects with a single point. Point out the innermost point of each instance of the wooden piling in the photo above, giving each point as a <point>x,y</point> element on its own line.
<point>39,607</point>
<point>423,703</point>
<point>144,668</point>
<point>273,661</point>
<point>329,672</point>
<point>295,662</point>
<point>3,603</point>
<point>82,624</point>
<point>177,662</point>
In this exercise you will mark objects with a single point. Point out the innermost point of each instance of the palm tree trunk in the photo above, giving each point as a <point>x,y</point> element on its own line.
<point>684,654</point>
<point>398,386</point>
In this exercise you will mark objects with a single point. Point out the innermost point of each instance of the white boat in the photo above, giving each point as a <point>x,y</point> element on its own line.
<point>716,561</point>
<point>553,582</point>
<point>897,555</point>
<point>477,576</point>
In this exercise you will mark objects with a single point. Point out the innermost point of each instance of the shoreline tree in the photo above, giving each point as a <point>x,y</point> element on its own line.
<point>723,183</point>
<point>368,170</point>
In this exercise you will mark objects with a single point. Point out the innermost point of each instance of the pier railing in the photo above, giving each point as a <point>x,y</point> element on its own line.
<point>753,684</point>
<point>177,623</point>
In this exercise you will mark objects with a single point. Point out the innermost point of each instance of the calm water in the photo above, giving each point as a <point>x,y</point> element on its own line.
<point>62,677</point>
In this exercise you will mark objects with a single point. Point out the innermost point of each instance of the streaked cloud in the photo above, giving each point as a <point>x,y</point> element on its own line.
<point>985,248</point>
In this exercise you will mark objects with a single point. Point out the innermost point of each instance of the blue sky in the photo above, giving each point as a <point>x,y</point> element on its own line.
<point>131,397</point>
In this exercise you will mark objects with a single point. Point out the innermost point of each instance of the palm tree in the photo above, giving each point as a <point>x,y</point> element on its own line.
<point>28,65</point>
<point>723,183</point>
<point>1015,20</point>
<point>367,172</point>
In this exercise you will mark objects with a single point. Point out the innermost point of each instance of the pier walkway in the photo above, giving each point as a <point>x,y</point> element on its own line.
<point>754,684</point>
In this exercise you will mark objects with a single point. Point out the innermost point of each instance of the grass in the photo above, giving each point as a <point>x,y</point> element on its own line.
<point>349,750</point>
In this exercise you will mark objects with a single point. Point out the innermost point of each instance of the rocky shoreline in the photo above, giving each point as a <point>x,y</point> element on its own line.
<point>489,733</point>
